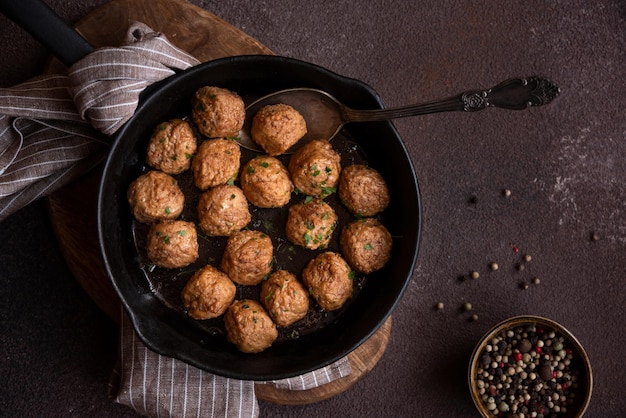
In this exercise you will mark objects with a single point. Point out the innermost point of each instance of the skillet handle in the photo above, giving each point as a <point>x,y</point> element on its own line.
<point>47,27</point>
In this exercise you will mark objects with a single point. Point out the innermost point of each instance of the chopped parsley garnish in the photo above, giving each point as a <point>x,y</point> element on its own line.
<point>328,191</point>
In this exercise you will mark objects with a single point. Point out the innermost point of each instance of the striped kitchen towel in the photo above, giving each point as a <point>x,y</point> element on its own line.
<point>55,127</point>
<point>159,386</point>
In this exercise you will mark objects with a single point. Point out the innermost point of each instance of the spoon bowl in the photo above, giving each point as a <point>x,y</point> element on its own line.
<point>325,115</point>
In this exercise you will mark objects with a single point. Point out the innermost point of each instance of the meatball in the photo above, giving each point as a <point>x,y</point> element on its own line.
<point>329,280</point>
<point>208,293</point>
<point>310,224</point>
<point>172,244</point>
<point>217,112</point>
<point>265,182</point>
<point>363,190</point>
<point>315,168</point>
<point>171,147</point>
<point>248,257</point>
<point>277,127</point>
<point>249,327</point>
<point>217,162</point>
<point>223,211</point>
<point>366,245</point>
<point>155,196</point>
<point>286,300</point>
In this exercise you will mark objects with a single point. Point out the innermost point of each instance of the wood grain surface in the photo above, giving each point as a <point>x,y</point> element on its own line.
<point>73,209</point>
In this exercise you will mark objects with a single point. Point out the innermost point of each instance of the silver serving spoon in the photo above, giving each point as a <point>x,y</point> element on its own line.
<point>325,115</point>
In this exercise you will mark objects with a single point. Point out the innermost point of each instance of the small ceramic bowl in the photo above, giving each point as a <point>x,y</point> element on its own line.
<point>530,363</point>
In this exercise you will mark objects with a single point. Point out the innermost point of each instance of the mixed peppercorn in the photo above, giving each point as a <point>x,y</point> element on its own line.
<point>527,371</point>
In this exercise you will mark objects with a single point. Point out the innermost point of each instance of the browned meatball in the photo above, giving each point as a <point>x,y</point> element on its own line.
<point>223,211</point>
<point>249,327</point>
<point>172,244</point>
<point>171,147</point>
<point>315,168</point>
<point>248,257</point>
<point>366,244</point>
<point>363,190</point>
<point>216,163</point>
<point>286,300</point>
<point>329,280</point>
<point>155,196</point>
<point>277,127</point>
<point>217,112</point>
<point>310,224</point>
<point>208,293</point>
<point>265,182</point>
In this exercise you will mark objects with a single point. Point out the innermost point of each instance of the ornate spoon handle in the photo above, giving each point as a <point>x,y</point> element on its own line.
<point>513,94</point>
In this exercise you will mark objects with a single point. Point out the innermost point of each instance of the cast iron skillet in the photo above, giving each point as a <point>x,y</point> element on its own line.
<point>158,321</point>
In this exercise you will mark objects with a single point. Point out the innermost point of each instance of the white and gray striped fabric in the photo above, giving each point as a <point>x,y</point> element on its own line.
<point>53,128</point>
<point>159,386</point>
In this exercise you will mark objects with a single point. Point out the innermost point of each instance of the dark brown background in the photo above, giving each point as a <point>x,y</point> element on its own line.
<point>565,165</point>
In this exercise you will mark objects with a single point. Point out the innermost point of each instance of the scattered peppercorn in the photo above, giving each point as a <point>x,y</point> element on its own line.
<point>536,280</point>
<point>523,285</point>
<point>474,317</point>
<point>467,306</point>
<point>506,193</point>
<point>440,306</point>
<point>527,258</point>
<point>519,267</point>
<point>474,275</point>
<point>594,236</point>
<point>493,266</point>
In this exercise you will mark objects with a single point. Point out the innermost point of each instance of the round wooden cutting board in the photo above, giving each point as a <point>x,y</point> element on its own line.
<point>73,209</point>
